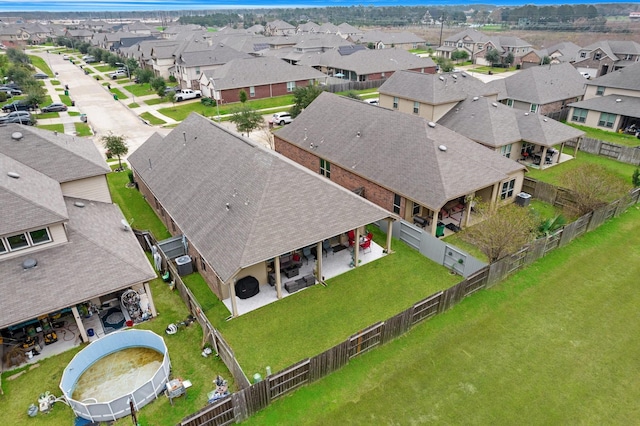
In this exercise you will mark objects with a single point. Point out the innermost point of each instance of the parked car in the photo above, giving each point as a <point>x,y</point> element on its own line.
<point>186,94</point>
<point>281,118</point>
<point>20,117</point>
<point>40,76</point>
<point>10,91</point>
<point>65,57</point>
<point>20,105</point>
<point>373,101</point>
<point>54,107</point>
<point>88,59</point>
<point>119,73</point>
<point>585,74</point>
<point>171,89</point>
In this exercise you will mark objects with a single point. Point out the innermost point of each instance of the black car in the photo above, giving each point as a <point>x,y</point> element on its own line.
<point>54,107</point>
<point>18,106</point>
<point>19,117</point>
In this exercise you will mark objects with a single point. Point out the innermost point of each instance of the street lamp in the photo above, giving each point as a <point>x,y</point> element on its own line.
<point>216,97</point>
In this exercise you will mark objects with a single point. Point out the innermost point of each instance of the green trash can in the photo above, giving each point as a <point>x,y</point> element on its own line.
<point>66,93</point>
<point>115,97</point>
<point>440,229</point>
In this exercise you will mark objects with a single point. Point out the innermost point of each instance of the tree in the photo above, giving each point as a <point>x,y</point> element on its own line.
<point>546,60</point>
<point>459,55</point>
<point>593,187</point>
<point>143,75</point>
<point>353,95</point>
<point>246,119</point>
<point>302,97</point>
<point>445,64</point>
<point>242,96</point>
<point>493,56</point>
<point>158,84</point>
<point>116,145</point>
<point>635,178</point>
<point>501,232</point>
<point>509,59</point>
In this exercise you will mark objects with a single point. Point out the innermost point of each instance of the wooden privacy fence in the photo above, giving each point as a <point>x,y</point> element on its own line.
<point>625,154</point>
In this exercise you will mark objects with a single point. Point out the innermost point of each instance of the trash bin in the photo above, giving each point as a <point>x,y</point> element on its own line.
<point>83,118</point>
<point>440,229</point>
<point>257,378</point>
<point>73,103</point>
<point>115,97</point>
<point>66,93</point>
<point>66,87</point>
<point>523,199</point>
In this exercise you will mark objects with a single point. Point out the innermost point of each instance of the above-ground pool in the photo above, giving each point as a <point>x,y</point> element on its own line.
<point>138,365</point>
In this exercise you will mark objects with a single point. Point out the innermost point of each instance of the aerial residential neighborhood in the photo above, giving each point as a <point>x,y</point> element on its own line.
<point>267,202</point>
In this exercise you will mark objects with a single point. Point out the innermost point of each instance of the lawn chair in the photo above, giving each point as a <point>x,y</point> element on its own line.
<point>326,248</point>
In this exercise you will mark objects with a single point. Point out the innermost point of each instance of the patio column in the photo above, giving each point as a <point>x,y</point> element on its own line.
<point>234,303</point>
<point>560,153</point>
<point>76,316</point>
<point>389,233</point>
<point>434,222</point>
<point>494,196</point>
<point>470,201</point>
<point>319,260</point>
<point>356,248</point>
<point>543,157</point>
<point>575,150</point>
<point>152,305</point>
<point>276,266</point>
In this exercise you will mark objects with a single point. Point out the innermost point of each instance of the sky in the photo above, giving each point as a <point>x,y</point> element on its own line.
<point>140,5</point>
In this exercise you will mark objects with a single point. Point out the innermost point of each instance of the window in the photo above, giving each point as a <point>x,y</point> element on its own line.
<point>416,209</point>
<point>17,242</point>
<point>39,236</point>
<point>597,56</point>
<point>533,108</point>
<point>3,249</point>
<point>395,102</point>
<point>173,226</point>
<point>197,70</point>
<point>325,168</point>
<point>396,203</point>
<point>506,151</point>
<point>291,85</point>
<point>510,103</point>
<point>579,115</point>
<point>416,107</point>
<point>606,120</point>
<point>252,91</point>
<point>600,91</point>
<point>583,54</point>
<point>507,189</point>
<point>203,265</point>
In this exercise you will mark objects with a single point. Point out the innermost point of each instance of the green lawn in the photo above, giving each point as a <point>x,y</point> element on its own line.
<point>495,70</point>
<point>43,115</point>
<point>603,135</point>
<point>152,119</point>
<point>553,174</point>
<point>154,101</point>
<point>180,111</point>
<point>118,92</point>
<point>140,89</point>
<point>65,99</point>
<point>73,113</point>
<point>320,317</point>
<point>53,127</point>
<point>83,129</point>
<point>186,362</point>
<point>135,207</point>
<point>554,344</point>
<point>41,64</point>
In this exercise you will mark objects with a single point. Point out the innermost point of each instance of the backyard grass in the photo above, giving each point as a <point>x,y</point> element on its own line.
<point>603,135</point>
<point>553,174</point>
<point>319,317</point>
<point>532,349</point>
<point>152,119</point>
<point>83,129</point>
<point>135,207</point>
<point>52,127</point>
<point>186,362</point>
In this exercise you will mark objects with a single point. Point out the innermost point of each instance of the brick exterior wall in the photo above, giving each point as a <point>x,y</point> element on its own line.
<point>207,272</point>
<point>264,91</point>
<point>373,192</point>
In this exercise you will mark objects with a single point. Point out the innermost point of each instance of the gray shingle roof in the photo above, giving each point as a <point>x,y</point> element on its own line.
<point>389,38</point>
<point>33,200</point>
<point>434,89</point>
<point>542,84</point>
<point>99,259</point>
<point>369,61</point>
<point>275,205</point>
<point>628,105</point>
<point>260,71</point>
<point>625,78</point>
<point>398,151</point>
<point>215,55</point>
<point>494,124</point>
<point>61,157</point>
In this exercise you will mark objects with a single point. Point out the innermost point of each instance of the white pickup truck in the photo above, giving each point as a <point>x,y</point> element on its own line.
<point>185,94</point>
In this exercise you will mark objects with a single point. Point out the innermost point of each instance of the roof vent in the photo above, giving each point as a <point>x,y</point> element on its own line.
<point>79,204</point>
<point>618,100</point>
<point>16,136</point>
<point>475,98</point>
<point>441,78</point>
<point>464,75</point>
<point>442,148</point>
<point>526,113</point>
<point>29,263</point>
<point>494,104</point>
<point>431,124</point>
<point>13,175</point>
<point>454,76</point>
<point>545,120</point>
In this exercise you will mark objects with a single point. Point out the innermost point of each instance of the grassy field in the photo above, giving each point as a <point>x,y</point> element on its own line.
<point>553,344</point>
<point>140,89</point>
<point>52,127</point>
<point>321,317</point>
<point>83,129</point>
<point>152,119</point>
<point>603,135</point>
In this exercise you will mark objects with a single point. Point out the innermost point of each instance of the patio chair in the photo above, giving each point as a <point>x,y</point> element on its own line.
<point>352,238</point>
<point>306,253</point>
<point>366,244</point>
<point>326,247</point>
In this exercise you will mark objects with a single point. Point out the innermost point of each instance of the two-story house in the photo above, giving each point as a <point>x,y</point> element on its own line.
<point>604,56</point>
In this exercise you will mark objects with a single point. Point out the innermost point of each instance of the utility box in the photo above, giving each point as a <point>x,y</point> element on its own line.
<point>523,199</point>
<point>185,267</point>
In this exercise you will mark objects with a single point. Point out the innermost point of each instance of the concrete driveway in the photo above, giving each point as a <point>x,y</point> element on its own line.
<point>104,114</point>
